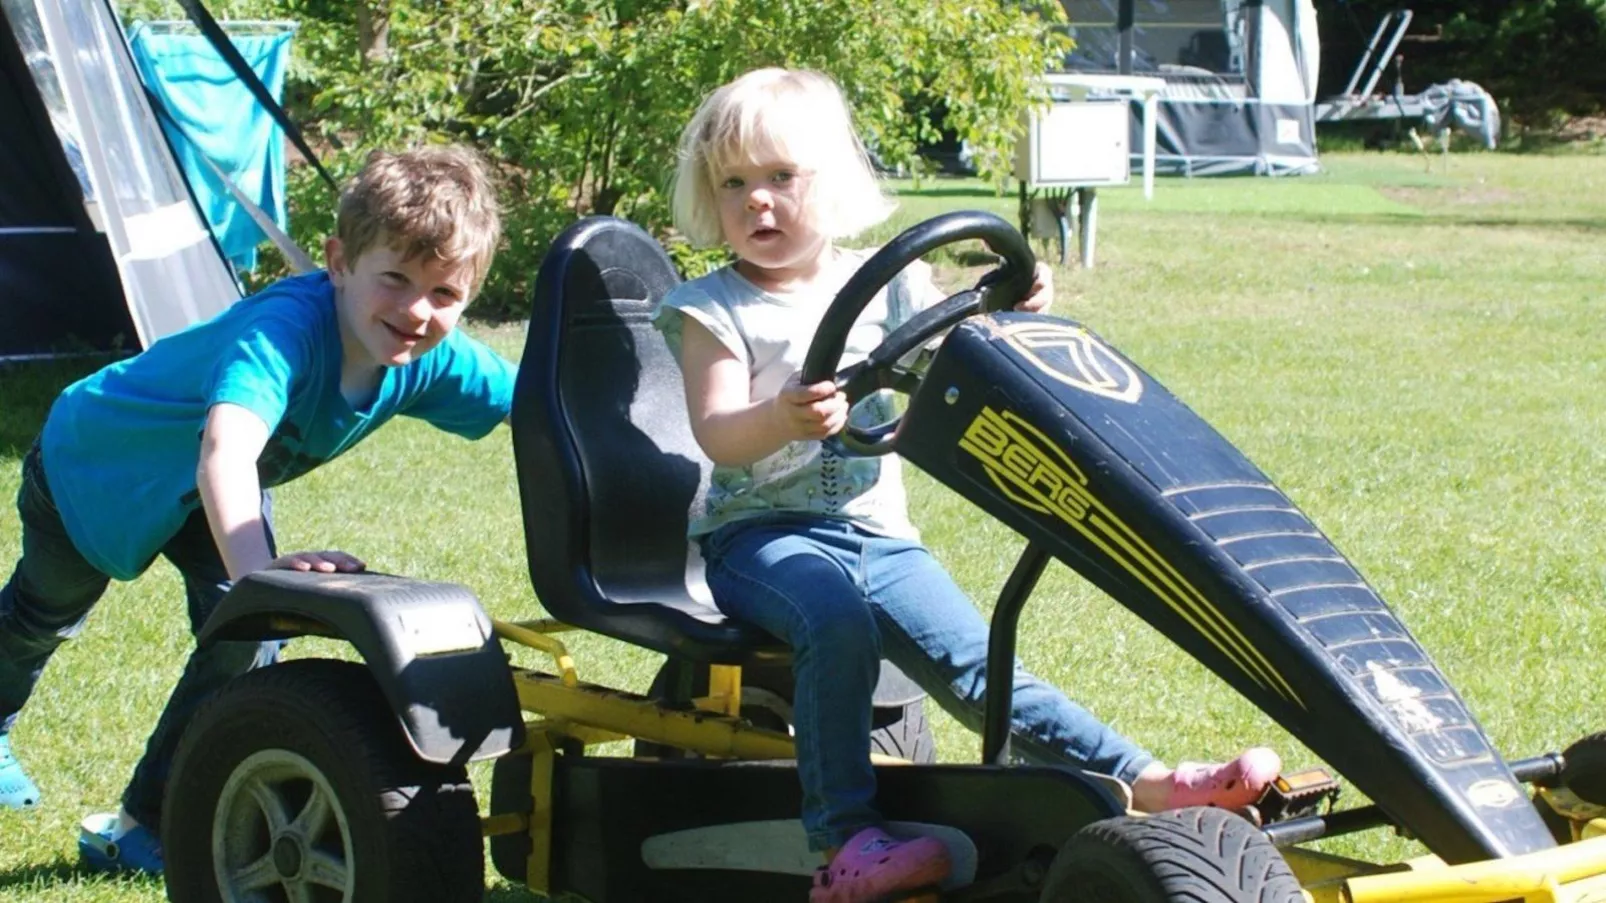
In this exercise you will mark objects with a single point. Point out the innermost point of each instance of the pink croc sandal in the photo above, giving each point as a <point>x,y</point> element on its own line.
<point>1234,785</point>
<point>874,865</point>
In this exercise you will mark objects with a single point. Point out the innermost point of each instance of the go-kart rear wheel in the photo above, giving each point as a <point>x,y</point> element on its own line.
<point>903,731</point>
<point>295,782</point>
<point>1202,855</point>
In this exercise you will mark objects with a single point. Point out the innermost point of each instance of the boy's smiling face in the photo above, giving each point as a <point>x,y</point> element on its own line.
<point>394,310</point>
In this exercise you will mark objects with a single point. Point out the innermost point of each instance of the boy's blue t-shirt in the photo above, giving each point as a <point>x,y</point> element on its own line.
<point>121,446</point>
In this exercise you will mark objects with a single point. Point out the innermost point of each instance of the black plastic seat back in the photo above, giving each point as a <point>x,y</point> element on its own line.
<point>609,473</point>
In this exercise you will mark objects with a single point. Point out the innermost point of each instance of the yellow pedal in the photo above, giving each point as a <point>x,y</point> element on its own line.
<point>1301,781</point>
<point>1296,795</point>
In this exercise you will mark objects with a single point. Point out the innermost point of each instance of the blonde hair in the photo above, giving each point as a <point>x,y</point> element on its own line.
<point>435,200</point>
<point>802,115</point>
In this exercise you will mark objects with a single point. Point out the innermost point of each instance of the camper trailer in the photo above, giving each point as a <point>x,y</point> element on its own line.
<point>1240,78</point>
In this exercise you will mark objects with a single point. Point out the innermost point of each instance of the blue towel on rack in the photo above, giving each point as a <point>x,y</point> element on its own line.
<point>217,116</point>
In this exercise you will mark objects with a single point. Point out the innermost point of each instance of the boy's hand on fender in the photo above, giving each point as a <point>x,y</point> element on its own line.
<point>810,412</point>
<point>1041,294</point>
<point>326,562</point>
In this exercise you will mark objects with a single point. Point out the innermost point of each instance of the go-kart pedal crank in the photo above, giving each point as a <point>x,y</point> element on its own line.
<point>1572,817</point>
<point>1295,795</point>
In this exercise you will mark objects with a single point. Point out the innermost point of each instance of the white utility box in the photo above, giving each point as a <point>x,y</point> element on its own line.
<point>1076,144</point>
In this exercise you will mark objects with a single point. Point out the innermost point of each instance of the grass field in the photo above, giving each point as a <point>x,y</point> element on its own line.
<point>1414,357</point>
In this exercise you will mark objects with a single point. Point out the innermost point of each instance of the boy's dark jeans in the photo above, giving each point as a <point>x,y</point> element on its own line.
<point>51,593</point>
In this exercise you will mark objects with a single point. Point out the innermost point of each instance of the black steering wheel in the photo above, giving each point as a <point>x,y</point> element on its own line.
<point>999,289</point>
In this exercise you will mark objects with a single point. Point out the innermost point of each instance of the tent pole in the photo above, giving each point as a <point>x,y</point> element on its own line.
<point>1124,20</point>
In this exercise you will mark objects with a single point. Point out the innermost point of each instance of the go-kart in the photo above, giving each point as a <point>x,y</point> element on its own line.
<point>316,780</point>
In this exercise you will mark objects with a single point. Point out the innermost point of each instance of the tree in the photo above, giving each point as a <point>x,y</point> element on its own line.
<point>1539,57</point>
<point>579,103</point>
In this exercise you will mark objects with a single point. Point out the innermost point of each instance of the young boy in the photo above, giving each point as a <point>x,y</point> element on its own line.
<point>170,452</point>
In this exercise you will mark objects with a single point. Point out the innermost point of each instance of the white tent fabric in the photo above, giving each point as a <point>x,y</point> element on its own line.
<point>135,196</point>
<point>1290,55</point>
<point>1240,77</point>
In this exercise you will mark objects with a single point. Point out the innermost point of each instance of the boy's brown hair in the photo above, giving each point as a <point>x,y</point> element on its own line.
<point>435,200</point>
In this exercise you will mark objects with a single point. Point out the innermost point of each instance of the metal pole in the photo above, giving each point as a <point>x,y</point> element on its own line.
<point>1383,60</point>
<point>1001,653</point>
<point>1542,769</point>
<point>1371,47</point>
<point>1124,21</point>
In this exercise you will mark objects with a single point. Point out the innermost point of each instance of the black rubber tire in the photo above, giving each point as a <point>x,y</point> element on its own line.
<point>1201,855</point>
<point>1585,769</point>
<point>904,732</point>
<point>414,830</point>
<point>900,730</point>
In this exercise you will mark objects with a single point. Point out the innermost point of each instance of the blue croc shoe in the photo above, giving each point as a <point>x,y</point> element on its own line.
<point>136,851</point>
<point>17,790</point>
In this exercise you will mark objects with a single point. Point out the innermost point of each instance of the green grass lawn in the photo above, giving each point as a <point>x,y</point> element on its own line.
<point>1413,356</point>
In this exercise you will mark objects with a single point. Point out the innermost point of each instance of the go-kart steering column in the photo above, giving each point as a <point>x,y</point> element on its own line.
<point>1001,653</point>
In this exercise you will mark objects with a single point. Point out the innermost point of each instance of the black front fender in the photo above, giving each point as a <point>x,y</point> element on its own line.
<point>430,646</point>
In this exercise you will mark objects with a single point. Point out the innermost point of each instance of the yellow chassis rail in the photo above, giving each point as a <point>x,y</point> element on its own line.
<point>573,711</point>
<point>1572,873</point>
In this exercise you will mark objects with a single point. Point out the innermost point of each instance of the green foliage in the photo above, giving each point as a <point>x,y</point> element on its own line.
<point>580,102</point>
<point>1539,58</point>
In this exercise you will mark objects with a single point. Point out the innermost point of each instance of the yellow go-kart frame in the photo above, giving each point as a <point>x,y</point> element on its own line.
<point>575,713</point>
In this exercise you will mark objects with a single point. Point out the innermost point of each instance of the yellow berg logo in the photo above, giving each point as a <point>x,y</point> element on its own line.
<point>1038,477</point>
<point>1071,355</point>
<point>1035,473</point>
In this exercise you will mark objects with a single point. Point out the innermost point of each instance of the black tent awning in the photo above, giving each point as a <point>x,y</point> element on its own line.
<point>61,291</point>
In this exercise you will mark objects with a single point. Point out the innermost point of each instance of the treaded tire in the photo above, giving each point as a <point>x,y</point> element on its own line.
<point>905,734</point>
<point>1585,769</point>
<point>1200,855</point>
<point>400,830</point>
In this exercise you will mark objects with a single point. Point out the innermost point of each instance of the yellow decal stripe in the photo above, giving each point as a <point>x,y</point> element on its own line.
<point>1037,475</point>
<point>1258,666</point>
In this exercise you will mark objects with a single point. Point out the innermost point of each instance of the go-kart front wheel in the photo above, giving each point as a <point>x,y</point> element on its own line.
<point>1585,771</point>
<point>295,782</point>
<point>1201,854</point>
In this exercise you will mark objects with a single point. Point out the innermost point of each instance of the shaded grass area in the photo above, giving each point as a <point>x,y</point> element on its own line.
<point>29,390</point>
<point>1413,356</point>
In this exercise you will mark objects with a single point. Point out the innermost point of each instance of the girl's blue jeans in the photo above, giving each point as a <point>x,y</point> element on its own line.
<point>50,594</point>
<point>843,599</point>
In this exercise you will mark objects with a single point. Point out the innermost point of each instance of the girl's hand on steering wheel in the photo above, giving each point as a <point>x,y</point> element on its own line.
<point>814,411</point>
<point>1041,294</point>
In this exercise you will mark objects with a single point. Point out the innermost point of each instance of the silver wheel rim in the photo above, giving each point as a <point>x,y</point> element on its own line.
<point>279,834</point>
